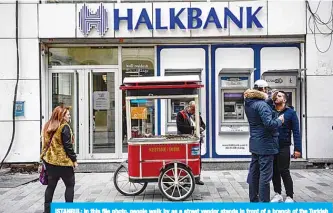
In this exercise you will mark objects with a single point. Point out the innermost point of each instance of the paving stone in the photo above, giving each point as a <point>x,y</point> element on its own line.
<point>226,186</point>
<point>221,189</point>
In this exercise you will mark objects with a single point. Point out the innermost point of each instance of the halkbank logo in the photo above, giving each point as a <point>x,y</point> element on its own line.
<point>220,18</point>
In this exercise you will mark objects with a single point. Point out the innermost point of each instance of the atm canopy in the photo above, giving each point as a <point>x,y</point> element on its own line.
<point>162,85</point>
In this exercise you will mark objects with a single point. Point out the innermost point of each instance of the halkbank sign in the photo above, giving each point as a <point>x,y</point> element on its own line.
<point>220,18</point>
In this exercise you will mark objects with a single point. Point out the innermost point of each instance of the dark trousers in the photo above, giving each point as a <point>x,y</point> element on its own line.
<point>259,177</point>
<point>281,170</point>
<point>54,174</point>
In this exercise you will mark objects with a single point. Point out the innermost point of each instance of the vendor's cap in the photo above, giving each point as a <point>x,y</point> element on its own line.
<point>260,84</point>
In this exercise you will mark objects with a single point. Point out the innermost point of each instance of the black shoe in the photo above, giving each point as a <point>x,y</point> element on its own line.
<point>199,182</point>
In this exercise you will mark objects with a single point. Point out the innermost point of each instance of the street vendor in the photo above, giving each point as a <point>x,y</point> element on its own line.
<point>186,122</point>
<point>186,125</point>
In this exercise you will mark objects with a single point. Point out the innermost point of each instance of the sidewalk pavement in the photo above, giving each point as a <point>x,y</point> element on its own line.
<point>220,186</point>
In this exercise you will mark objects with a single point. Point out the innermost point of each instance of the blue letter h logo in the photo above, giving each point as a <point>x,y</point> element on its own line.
<point>88,20</point>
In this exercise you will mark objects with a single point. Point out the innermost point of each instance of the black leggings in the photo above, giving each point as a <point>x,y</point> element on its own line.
<point>54,174</point>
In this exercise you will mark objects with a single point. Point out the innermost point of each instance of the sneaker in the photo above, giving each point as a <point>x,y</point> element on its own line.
<point>289,200</point>
<point>277,198</point>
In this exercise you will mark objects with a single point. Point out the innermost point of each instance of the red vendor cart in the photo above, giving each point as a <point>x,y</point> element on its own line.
<point>171,160</point>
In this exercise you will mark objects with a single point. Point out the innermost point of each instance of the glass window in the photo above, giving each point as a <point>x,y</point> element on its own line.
<point>142,118</point>
<point>83,56</point>
<point>176,105</point>
<point>63,93</point>
<point>103,112</point>
<point>138,62</point>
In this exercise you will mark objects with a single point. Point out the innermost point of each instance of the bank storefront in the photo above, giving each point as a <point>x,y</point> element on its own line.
<point>88,49</point>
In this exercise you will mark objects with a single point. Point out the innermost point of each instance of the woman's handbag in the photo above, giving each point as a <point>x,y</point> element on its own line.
<point>43,176</point>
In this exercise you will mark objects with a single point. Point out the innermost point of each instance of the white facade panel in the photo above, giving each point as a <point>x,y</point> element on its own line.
<point>28,21</point>
<point>165,19</point>
<point>277,58</point>
<point>230,58</point>
<point>319,63</point>
<point>57,20</point>
<point>319,92</point>
<point>26,144</point>
<point>29,61</point>
<point>235,7</point>
<point>286,17</point>
<point>320,134</point>
<point>137,10</point>
<point>7,58</point>
<point>211,29</point>
<point>321,9</point>
<point>184,58</point>
<point>93,32</point>
<point>28,91</point>
<point>7,20</point>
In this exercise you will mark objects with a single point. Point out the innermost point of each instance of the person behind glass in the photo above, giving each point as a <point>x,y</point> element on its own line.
<point>281,167</point>
<point>263,141</point>
<point>59,157</point>
<point>186,125</point>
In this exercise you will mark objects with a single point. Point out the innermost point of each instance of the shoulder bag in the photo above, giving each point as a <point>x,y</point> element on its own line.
<point>43,176</point>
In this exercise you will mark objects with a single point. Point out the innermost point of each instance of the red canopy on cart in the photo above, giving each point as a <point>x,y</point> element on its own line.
<point>162,82</point>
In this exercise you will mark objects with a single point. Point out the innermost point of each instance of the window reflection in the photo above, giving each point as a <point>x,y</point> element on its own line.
<point>138,62</point>
<point>83,56</point>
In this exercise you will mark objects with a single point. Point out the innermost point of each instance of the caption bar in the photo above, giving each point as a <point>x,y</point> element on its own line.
<point>191,207</point>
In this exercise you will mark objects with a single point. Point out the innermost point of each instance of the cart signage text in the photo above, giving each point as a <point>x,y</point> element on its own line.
<point>164,149</point>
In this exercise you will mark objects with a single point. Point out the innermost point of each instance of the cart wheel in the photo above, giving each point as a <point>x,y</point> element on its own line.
<point>176,182</point>
<point>124,186</point>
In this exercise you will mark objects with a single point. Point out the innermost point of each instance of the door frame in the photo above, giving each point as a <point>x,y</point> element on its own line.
<point>84,152</point>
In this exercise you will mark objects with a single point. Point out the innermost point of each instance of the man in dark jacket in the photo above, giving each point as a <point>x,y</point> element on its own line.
<point>282,159</point>
<point>186,125</point>
<point>185,120</point>
<point>263,141</point>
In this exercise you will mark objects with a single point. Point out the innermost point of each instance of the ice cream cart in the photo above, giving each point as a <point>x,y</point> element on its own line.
<point>173,161</point>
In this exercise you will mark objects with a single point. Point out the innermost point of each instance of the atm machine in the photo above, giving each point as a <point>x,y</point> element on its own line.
<point>289,81</point>
<point>173,106</point>
<point>233,82</point>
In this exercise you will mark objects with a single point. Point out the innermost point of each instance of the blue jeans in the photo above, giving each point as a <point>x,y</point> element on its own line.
<point>259,177</point>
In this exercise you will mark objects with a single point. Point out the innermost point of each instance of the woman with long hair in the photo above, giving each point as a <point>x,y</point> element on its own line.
<point>58,154</point>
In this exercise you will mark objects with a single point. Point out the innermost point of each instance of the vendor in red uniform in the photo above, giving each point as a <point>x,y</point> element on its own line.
<point>186,124</point>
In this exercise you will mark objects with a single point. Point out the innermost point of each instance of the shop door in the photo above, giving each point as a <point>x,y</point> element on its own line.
<point>93,95</point>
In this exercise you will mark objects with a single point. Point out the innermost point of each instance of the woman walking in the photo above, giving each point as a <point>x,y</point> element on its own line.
<point>58,154</point>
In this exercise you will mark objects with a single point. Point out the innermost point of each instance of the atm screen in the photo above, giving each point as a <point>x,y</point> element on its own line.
<point>233,95</point>
<point>177,108</point>
<point>229,108</point>
<point>233,104</point>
